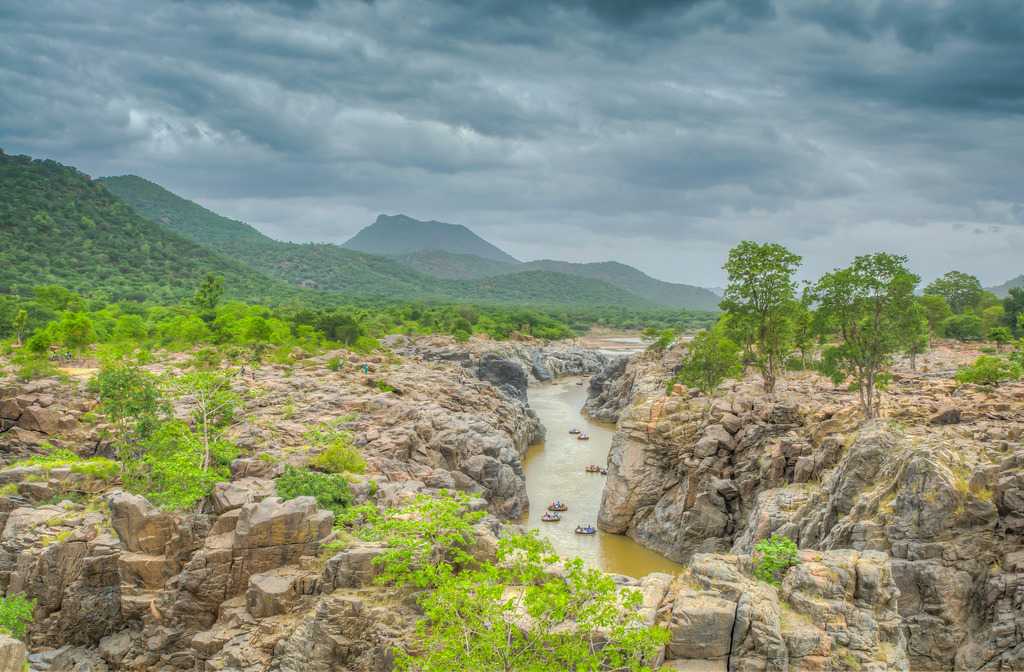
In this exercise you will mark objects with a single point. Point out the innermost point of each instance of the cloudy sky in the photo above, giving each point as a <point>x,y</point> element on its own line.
<point>658,133</point>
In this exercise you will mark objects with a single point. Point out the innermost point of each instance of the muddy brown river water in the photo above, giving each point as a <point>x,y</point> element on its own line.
<point>555,470</point>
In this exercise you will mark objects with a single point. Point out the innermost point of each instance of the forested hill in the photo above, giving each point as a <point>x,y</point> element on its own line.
<point>634,281</point>
<point>60,227</point>
<point>356,274</point>
<point>1003,290</point>
<point>399,234</point>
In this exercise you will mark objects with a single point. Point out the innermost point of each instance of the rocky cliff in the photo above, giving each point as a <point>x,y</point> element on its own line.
<point>936,486</point>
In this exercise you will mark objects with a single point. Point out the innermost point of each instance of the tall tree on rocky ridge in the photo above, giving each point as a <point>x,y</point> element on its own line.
<point>866,306</point>
<point>961,290</point>
<point>710,358</point>
<point>761,293</point>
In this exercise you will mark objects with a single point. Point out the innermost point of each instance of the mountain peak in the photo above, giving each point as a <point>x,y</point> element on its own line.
<point>400,235</point>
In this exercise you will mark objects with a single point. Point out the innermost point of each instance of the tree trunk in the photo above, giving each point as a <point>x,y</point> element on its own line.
<point>913,361</point>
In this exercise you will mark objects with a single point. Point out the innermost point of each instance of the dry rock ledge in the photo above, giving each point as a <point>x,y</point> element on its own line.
<point>910,529</point>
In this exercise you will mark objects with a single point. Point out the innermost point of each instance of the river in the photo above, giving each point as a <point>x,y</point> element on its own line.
<point>555,470</point>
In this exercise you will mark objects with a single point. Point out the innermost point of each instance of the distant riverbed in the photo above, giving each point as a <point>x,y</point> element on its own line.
<point>555,470</point>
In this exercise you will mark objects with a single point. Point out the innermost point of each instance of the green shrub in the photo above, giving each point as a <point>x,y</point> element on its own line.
<point>966,327</point>
<point>16,612</point>
<point>334,363</point>
<point>33,368</point>
<point>989,370</point>
<point>171,472</point>
<point>330,490</point>
<point>772,557</point>
<point>340,457</point>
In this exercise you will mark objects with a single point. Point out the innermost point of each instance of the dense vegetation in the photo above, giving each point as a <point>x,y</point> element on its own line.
<point>850,325</point>
<point>59,227</point>
<point>465,268</point>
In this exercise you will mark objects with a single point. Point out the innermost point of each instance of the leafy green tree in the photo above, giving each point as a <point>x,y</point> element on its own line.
<point>915,333</point>
<point>19,324</point>
<point>130,399</point>
<point>1000,336</point>
<point>804,332</point>
<point>336,454</point>
<point>209,294</point>
<point>961,290</point>
<point>761,291</point>
<point>710,358</point>
<point>865,306</point>
<point>76,331</point>
<point>965,327</point>
<point>935,310</point>
<point>213,405</point>
<point>1013,308</point>
<point>992,316</point>
<point>772,557</point>
<point>180,468</point>
<point>990,371</point>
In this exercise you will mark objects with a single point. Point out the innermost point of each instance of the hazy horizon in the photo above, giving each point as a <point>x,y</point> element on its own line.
<point>658,135</point>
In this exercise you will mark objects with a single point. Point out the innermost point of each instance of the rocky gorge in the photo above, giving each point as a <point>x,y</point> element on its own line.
<point>910,529</point>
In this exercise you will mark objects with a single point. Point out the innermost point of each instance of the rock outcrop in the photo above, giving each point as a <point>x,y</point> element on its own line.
<point>937,491</point>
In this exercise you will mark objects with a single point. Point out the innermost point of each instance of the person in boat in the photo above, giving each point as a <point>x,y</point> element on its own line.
<point>585,529</point>
<point>557,505</point>
<point>574,431</point>
<point>583,437</point>
<point>550,517</point>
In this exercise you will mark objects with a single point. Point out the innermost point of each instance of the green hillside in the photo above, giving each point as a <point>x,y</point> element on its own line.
<point>398,235</point>
<point>450,266</point>
<point>58,226</point>
<point>357,274</point>
<point>635,281</point>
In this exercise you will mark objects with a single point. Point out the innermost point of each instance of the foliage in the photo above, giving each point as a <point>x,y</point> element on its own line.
<point>866,306</point>
<point>213,404</point>
<point>710,358</point>
<point>427,539</point>
<point>664,339</point>
<point>209,293</point>
<point>936,310</point>
<point>130,399</point>
<point>337,454</point>
<point>1013,309</point>
<point>175,476</point>
<point>914,333</point>
<point>16,614</point>
<point>1000,335</point>
<point>512,615</point>
<point>965,327</point>
<point>961,290</point>
<point>772,557</point>
<point>100,468</point>
<point>330,490</point>
<point>989,370</point>
<point>761,294</point>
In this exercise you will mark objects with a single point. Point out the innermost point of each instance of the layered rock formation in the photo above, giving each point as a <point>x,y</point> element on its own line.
<point>936,491</point>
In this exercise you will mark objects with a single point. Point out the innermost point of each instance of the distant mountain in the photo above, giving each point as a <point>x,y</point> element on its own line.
<point>358,274</point>
<point>1003,290</point>
<point>400,235</point>
<point>58,226</point>
<point>635,281</point>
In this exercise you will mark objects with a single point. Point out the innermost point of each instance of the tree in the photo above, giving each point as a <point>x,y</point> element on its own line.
<point>961,290</point>
<point>965,327</point>
<point>130,399</point>
<point>19,323</point>
<point>209,294</point>
<point>761,292</point>
<point>915,333</point>
<point>804,331</point>
<point>935,311</point>
<point>865,305</point>
<point>76,331</point>
<point>1000,336</point>
<point>213,406</point>
<point>1013,308</point>
<point>710,358</point>
<point>992,316</point>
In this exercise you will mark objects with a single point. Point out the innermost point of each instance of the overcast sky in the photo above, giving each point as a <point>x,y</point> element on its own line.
<point>657,133</point>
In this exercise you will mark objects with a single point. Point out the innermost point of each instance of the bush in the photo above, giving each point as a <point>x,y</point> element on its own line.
<point>330,490</point>
<point>334,364</point>
<point>33,368</point>
<point>340,457</point>
<point>772,557</point>
<point>989,370</point>
<point>966,327</point>
<point>171,473</point>
<point>16,614</point>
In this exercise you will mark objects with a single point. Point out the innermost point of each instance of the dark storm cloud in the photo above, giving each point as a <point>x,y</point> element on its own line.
<point>664,130</point>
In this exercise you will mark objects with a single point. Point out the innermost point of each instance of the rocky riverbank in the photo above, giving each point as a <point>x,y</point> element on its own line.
<point>936,488</point>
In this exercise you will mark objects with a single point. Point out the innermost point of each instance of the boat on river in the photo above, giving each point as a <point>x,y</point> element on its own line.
<point>550,517</point>
<point>583,437</point>
<point>594,469</point>
<point>558,506</point>
<point>585,529</point>
<point>574,431</point>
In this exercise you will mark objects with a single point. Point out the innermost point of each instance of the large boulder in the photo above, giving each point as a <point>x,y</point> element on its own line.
<point>141,527</point>
<point>13,655</point>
